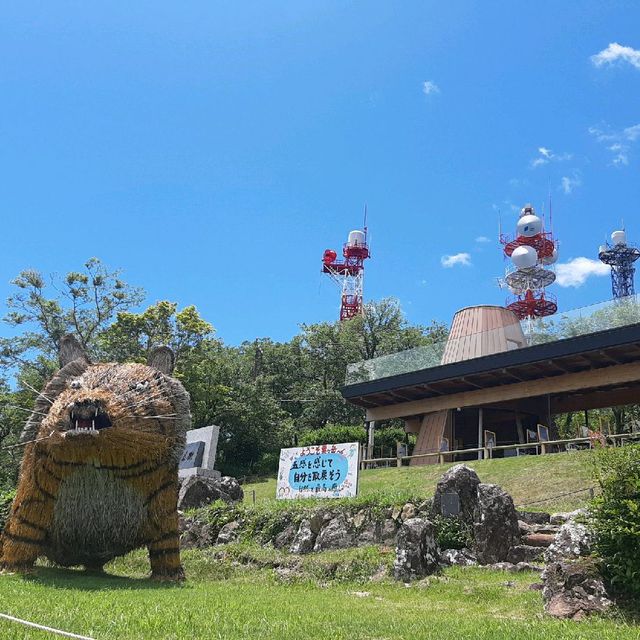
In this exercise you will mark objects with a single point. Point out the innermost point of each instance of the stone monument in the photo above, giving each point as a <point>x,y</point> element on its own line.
<point>199,454</point>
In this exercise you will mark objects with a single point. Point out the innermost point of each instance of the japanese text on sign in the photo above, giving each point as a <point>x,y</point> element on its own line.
<point>318,471</point>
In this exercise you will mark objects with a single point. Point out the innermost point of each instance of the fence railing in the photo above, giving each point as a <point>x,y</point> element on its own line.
<point>541,448</point>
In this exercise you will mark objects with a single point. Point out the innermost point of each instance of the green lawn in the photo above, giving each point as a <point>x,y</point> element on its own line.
<point>226,598</point>
<point>527,478</point>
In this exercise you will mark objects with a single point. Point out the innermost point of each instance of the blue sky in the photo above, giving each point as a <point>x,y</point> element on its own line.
<point>213,150</point>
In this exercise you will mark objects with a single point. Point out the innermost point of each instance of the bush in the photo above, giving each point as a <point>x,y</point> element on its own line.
<point>451,533</point>
<point>616,516</point>
<point>333,434</point>
<point>6,498</point>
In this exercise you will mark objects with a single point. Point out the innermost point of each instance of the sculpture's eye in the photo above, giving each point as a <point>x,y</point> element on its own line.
<point>75,384</point>
<point>142,386</point>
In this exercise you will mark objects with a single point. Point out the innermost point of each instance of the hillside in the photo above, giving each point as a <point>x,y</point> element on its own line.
<point>529,479</point>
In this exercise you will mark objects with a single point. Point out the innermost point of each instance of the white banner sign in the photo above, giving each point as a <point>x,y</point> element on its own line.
<point>318,471</point>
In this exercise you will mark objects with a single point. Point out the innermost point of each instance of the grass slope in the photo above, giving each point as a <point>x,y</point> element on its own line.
<point>225,598</point>
<point>529,479</point>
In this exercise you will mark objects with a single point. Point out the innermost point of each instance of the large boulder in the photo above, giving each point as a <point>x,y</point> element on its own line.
<point>416,550</point>
<point>199,491</point>
<point>304,539</point>
<point>574,589</point>
<point>573,541</point>
<point>495,527</point>
<point>525,553</point>
<point>462,481</point>
<point>336,534</point>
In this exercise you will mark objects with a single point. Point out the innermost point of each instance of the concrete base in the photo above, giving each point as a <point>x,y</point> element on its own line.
<point>199,471</point>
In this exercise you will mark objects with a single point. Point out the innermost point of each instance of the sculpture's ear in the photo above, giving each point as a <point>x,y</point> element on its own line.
<point>70,349</point>
<point>162,359</point>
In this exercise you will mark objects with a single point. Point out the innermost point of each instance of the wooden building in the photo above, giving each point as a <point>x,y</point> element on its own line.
<point>489,379</point>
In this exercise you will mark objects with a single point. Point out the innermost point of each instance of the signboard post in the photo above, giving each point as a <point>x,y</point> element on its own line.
<point>318,471</point>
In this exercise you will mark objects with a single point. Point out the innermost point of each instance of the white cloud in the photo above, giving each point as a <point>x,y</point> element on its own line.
<point>575,272</point>
<point>429,87</point>
<point>632,133</point>
<point>569,183</point>
<point>546,155</point>
<point>617,53</point>
<point>482,239</point>
<point>463,259</point>
<point>617,142</point>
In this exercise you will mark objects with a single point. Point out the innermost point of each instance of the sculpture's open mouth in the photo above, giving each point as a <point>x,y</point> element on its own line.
<point>83,419</point>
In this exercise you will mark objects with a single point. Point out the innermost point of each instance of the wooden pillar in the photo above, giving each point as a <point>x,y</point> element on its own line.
<point>371,426</point>
<point>521,438</point>
<point>480,431</point>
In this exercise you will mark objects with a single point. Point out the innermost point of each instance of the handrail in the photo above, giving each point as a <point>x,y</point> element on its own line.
<point>486,451</point>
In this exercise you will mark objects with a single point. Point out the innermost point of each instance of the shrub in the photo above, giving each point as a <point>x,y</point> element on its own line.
<point>451,533</point>
<point>616,516</point>
<point>6,498</point>
<point>333,434</point>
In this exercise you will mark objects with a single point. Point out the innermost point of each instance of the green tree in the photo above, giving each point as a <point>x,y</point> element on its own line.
<point>84,303</point>
<point>133,335</point>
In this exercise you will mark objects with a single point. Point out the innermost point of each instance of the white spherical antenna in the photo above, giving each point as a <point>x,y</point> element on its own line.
<point>524,257</point>
<point>619,237</point>
<point>356,238</point>
<point>529,225</point>
<point>552,258</point>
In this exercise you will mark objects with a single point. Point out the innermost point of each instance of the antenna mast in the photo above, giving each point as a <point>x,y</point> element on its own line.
<point>348,273</point>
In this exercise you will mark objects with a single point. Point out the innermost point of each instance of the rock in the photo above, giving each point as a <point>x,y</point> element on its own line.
<point>232,488</point>
<point>369,534</point>
<point>458,557</point>
<point>359,519</point>
<point>195,534</point>
<point>572,541</point>
<point>335,535</point>
<point>546,528</point>
<point>319,519</point>
<point>199,491</point>
<point>228,533</point>
<point>534,517</point>
<point>388,531</point>
<point>524,527</point>
<point>408,511</point>
<point>463,481</point>
<point>539,539</point>
<point>395,513</point>
<point>495,527</point>
<point>304,539</point>
<point>561,518</point>
<point>525,553</point>
<point>574,589</point>
<point>416,550</point>
<point>285,537</point>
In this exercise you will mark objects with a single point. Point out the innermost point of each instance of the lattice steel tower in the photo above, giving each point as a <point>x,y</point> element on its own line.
<point>621,257</point>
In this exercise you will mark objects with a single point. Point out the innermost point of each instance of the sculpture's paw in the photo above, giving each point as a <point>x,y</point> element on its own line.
<point>20,569</point>
<point>176,575</point>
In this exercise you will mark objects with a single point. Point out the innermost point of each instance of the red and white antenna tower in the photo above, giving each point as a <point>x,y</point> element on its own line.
<point>532,251</point>
<point>348,273</point>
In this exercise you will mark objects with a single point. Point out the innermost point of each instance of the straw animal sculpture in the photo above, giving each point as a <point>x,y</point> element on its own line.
<point>102,477</point>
